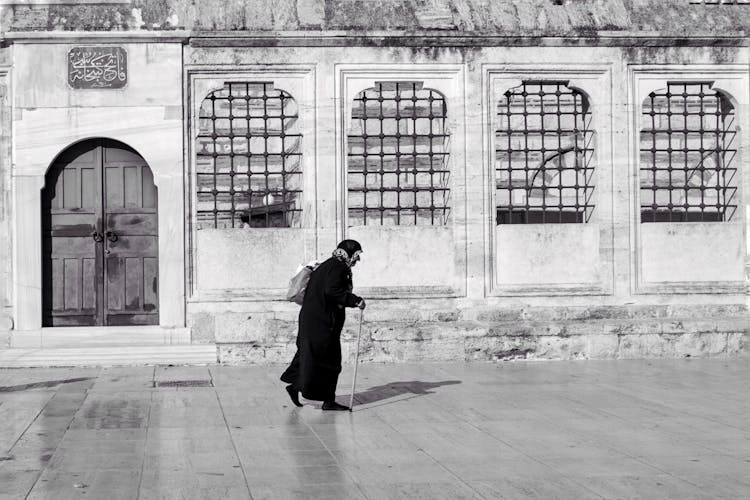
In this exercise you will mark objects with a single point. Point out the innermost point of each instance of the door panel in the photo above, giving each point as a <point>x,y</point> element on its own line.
<point>143,224</point>
<point>71,258</point>
<point>105,188</point>
<point>150,284</point>
<point>131,231</point>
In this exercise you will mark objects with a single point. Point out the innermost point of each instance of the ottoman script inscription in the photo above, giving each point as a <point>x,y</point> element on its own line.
<point>97,67</point>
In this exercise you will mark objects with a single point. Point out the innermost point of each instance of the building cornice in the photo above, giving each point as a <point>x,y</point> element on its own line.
<point>376,38</point>
<point>171,36</point>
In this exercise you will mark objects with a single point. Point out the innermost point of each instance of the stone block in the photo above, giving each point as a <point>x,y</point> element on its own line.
<point>366,350</point>
<point>202,328</point>
<point>443,316</point>
<point>279,353</point>
<point>498,315</point>
<point>511,330</point>
<point>542,314</point>
<point>481,349</point>
<point>237,354</point>
<point>6,323</point>
<point>646,311</point>
<point>700,326</point>
<point>694,345</point>
<point>631,327</point>
<point>602,346</point>
<point>673,327</point>
<point>252,327</point>
<point>458,330</point>
<point>386,333</point>
<point>556,328</point>
<point>608,312</point>
<point>733,324</point>
<point>503,15</point>
<point>583,328</point>
<point>287,315</point>
<point>575,313</point>
<point>393,314</point>
<point>394,350</point>
<point>736,344</point>
<point>560,348</point>
<point>311,13</point>
<point>645,346</point>
<point>499,348</point>
<point>350,331</point>
<point>706,310</point>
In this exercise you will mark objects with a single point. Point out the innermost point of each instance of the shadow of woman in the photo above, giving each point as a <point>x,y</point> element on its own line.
<point>394,389</point>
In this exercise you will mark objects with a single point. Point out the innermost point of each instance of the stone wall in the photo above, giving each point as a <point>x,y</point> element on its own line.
<point>470,290</point>
<point>507,17</point>
<point>6,322</point>
<point>559,291</point>
<point>414,331</point>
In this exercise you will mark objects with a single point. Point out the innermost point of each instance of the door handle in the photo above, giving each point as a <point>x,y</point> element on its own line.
<point>111,236</point>
<point>97,237</point>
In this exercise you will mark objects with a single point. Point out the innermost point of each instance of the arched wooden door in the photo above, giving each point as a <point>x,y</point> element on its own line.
<point>99,238</point>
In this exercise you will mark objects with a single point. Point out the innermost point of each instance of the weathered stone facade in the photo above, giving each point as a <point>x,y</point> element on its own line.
<point>6,316</point>
<point>472,289</point>
<point>590,18</point>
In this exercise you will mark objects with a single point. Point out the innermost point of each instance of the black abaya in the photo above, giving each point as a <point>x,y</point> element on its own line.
<point>315,369</point>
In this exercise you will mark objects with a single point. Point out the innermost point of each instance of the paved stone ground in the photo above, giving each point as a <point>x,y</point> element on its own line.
<point>578,430</point>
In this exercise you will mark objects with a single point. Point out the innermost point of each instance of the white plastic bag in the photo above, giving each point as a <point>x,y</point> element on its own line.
<point>298,284</point>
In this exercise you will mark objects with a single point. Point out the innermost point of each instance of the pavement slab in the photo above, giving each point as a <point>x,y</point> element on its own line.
<point>518,430</point>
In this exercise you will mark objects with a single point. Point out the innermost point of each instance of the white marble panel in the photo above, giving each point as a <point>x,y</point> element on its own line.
<point>535,254</point>
<point>154,77</point>
<point>691,251</point>
<point>248,258</point>
<point>405,256</point>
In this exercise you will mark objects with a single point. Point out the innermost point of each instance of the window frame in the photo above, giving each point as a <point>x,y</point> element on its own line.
<point>734,82</point>
<point>595,82</point>
<point>450,80</point>
<point>298,80</point>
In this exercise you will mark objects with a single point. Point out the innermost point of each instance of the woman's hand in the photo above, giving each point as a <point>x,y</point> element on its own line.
<point>361,304</point>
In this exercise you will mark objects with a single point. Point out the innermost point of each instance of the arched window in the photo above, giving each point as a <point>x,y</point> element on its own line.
<point>249,159</point>
<point>688,145</point>
<point>397,165</point>
<point>544,155</point>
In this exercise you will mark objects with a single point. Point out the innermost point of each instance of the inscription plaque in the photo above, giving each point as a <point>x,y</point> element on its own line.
<point>97,67</point>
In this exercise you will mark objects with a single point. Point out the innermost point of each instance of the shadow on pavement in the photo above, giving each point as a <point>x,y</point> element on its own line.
<point>45,384</point>
<point>394,389</point>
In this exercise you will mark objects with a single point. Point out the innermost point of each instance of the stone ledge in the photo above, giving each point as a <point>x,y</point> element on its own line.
<point>404,334</point>
<point>508,348</point>
<point>248,326</point>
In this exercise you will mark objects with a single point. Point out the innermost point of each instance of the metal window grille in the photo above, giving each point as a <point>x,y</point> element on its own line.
<point>687,155</point>
<point>720,2</point>
<point>249,160</point>
<point>397,165</point>
<point>544,155</point>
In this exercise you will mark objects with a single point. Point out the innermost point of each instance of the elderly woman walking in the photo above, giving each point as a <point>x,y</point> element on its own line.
<point>315,369</point>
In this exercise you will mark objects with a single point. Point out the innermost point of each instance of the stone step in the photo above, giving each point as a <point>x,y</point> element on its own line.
<point>196,354</point>
<point>99,336</point>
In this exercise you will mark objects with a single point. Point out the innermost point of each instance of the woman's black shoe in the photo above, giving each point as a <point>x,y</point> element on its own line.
<point>334,406</point>
<point>293,394</point>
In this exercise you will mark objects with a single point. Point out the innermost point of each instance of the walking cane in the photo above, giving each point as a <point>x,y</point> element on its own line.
<point>356,361</point>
